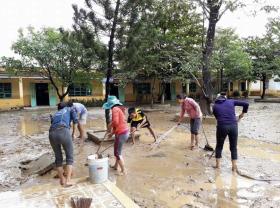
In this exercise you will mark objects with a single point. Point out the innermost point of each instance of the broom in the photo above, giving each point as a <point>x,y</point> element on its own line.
<point>80,202</point>
<point>207,147</point>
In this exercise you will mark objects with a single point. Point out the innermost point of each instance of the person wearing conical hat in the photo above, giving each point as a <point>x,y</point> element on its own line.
<point>119,127</point>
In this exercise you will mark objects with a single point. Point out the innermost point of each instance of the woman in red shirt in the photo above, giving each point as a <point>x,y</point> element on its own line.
<point>119,127</point>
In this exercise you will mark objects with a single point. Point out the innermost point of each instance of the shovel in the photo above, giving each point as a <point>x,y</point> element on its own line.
<point>99,154</point>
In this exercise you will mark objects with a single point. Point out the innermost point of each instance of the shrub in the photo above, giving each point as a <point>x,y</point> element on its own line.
<point>236,93</point>
<point>245,93</point>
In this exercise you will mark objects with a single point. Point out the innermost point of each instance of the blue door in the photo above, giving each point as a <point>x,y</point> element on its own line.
<point>121,93</point>
<point>33,95</point>
<point>173,91</point>
<point>52,95</point>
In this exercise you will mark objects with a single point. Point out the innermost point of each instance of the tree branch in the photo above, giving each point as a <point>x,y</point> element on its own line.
<point>53,83</point>
<point>204,7</point>
<point>226,8</point>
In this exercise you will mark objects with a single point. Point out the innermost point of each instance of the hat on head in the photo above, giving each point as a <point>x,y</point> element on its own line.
<point>111,101</point>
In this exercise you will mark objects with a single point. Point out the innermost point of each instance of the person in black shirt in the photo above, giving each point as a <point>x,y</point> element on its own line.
<point>138,119</point>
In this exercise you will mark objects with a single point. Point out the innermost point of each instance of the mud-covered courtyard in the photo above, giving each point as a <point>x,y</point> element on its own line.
<point>168,176</point>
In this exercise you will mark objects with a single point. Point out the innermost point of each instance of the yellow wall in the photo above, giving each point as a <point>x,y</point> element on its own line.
<point>15,86</point>
<point>97,92</point>
<point>272,93</point>
<point>131,96</point>
<point>236,87</point>
<point>27,89</point>
<point>26,92</point>
<point>15,100</point>
<point>6,104</point>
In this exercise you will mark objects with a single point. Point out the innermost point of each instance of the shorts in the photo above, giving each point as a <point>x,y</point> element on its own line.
<point>136,123</point>
<point>195,125</point>
<point>83,118</point>
<point>119,141</point>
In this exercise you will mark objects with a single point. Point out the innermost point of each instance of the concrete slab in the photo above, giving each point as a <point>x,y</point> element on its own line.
<point>40,166</point>
<point>105,195</point>
<point>98,136</point>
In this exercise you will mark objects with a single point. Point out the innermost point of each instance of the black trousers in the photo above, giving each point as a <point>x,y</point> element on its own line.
<point>222,132</point>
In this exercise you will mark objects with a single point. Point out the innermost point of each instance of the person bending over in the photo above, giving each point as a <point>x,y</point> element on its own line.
<point>138,119</point>
<point>193,110</point>
<point>118,126</point>
<point>60,137</point>
<point>82,117</point>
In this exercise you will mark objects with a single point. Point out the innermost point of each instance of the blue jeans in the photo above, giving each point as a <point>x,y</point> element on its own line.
<point>60,137</point>
<point>222,132</point>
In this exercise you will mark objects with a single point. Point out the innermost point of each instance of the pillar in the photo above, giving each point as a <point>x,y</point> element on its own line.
<point>188,87</point>
<point>20,91</point>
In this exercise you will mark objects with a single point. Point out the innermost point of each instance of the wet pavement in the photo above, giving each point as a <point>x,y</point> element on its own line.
<point>170,175</point>
<point>105,195</point>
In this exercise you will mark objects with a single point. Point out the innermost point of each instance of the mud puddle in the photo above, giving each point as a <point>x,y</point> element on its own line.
<point>168,176</point>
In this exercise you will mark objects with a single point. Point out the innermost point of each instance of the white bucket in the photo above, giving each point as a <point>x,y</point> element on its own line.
<point>98,169</point>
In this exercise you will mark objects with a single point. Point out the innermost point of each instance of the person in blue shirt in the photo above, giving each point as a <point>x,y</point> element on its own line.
<point>224,112</point>
<point>59,136</point>
<point>82,118</point>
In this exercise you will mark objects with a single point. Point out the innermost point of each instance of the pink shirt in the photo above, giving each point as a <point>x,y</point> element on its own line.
<point>191,107</point>
<point>119,123</point>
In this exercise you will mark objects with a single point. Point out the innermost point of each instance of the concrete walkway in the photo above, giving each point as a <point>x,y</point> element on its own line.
<point>54,196</point>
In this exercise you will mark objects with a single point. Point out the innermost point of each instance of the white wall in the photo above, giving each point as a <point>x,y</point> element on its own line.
<point>274,85</point>
<point>255,86</point>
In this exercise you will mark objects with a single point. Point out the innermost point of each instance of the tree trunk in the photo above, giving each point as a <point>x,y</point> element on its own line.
<point>214,7</point>
<point>60,96</point>
<point>263,86</point>
<point>152,93</point>
<point>221,79</point>
<point>162,97</point>
<point>110,63</point>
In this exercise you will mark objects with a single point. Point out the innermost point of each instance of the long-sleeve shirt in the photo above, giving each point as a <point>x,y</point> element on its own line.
<point>224,110</point>
<point>191,107</point>
<point>64,117</point>
<point>119,123</point>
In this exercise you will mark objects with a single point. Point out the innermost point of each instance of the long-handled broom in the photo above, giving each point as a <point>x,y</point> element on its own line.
<point>207,147</point>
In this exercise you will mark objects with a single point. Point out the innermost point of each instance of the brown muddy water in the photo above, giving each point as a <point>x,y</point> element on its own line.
<point>168,176</point>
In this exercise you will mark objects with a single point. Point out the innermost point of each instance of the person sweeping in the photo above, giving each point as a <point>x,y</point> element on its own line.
<point>60,137</point>
<point>119,127</point>
<point>224,112</point>
<point>138,119</point>
<point>192,108</point>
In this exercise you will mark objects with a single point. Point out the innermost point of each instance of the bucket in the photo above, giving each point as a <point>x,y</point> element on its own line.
<point>98,169</point>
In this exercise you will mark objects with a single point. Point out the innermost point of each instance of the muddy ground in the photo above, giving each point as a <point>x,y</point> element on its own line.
<point>168,176</point>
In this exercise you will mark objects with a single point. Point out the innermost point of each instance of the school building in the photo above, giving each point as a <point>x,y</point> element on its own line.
<point>32,91</point>
<point>272,87</point>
